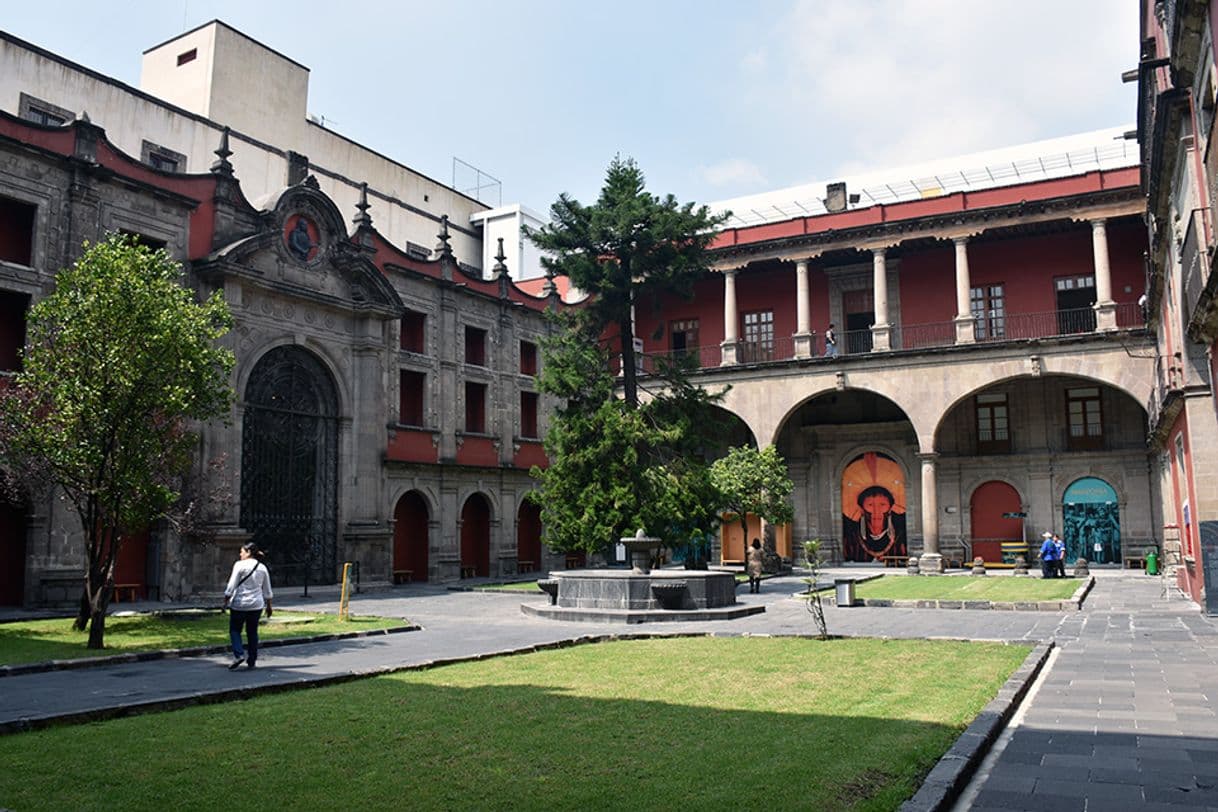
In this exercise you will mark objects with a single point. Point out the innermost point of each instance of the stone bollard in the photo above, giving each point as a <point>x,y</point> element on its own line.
<point>1081,570</point>
<point>912,568</point>
<point>978,566</point>
<point>1021,566</point>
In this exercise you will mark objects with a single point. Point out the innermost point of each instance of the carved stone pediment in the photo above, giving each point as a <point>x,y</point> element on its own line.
<point>301,250</point>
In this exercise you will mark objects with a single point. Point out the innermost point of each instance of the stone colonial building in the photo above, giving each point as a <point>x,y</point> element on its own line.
<point>386,411</point>
<point>990,368</point>
<point>1177,78</point>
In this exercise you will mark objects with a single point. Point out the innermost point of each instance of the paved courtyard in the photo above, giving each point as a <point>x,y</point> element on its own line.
<point>1122,718</point>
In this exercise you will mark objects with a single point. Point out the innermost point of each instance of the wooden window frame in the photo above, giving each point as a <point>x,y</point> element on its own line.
<point>985,409</point>
<point>1088,440</point>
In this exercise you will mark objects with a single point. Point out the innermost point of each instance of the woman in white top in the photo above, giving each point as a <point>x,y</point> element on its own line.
<point>247,592</point>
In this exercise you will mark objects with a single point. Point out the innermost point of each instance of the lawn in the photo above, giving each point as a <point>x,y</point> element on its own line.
<point>968,588</point>
<point>513,586</point>
<point>35,641</point>
<point>731,723</point>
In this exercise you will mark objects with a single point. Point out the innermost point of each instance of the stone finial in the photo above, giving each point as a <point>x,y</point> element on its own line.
<point>222,165</point>
<point>978,566</point>
<point>911,567</point>
<point>443,249</point>
<point>362,219</point>
<point>1081,568</point>
<point>500,268</point>
<point>1021,566</point>
<point>549,289</point>
<point>84,116</point>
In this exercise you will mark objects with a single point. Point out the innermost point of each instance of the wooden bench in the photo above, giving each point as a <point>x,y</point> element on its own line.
<point>1135,562</point>
<point>524,566</point>
<point>468,572</point>
<point>896,560</point>
<point>403,576</point>
<point>132,592</point>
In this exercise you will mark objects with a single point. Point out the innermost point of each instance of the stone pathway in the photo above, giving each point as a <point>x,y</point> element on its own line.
<point>1123,718</point>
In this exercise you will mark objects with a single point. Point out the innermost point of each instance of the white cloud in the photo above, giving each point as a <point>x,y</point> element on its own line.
<point>754,61</point>
<point>883,82</point>
<point>733,172</point>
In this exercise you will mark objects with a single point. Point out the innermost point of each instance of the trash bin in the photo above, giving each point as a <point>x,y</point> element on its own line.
<point>1152,563</point>
<point>844,591</point>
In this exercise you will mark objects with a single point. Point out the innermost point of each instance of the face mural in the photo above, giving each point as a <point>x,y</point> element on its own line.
<point>873,508</point>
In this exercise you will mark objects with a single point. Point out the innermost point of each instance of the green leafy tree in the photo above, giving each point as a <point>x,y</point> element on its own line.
<point>628,248</point>
<point>119,360</point>
<point>756,482</point>
<point>621,463</point>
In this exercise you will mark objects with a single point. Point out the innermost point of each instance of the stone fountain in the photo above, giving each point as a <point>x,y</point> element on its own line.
<point>640,594</point>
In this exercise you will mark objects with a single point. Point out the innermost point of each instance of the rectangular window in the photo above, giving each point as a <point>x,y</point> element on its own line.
<point>43,112</point>
<point>475,346</point>
<point>993,425</point>
<point>758,336</point>
<point>13,307</point>
<point>413,324</point>
<point>528,358</point>
<point>989,311</point>
<point>528,414</point>
<point>187,56</point>
<point>17,231</point>
<point>411,397</point>
<point>683,336</point>
<point>1084,419</point>
<point>475,408</point>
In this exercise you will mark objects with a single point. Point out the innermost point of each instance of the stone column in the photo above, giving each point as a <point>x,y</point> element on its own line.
<point>730,318</point>
<point>1105,307</point>
<point>881,331</point>
<point>965,332</point>
<point>803,318</point>
<point>930,561</point>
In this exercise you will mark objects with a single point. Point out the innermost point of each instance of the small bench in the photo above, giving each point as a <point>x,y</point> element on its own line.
<point>132,592</point>
<point>1135,562</point>
<point>403,576</point>
<point>468,572</point>
<point>896,560</point>
<point>524,566</point>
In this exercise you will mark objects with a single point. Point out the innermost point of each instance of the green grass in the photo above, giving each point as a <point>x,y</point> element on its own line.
<point>35,641</point>
<point>513,586</point>
<point>730,723</point>
<point>967,588</point>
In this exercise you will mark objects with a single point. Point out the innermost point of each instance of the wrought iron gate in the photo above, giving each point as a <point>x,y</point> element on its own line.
<point>289,466</point>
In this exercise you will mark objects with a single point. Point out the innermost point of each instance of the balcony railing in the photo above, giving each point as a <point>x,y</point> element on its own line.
<point>988,330</point>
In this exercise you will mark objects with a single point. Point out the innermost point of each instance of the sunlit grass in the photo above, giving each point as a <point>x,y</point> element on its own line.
<point>731,723</point>
<point>34,641</point>
<point>968,588</point>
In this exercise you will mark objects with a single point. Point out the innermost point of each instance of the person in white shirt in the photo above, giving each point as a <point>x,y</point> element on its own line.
<point>247,593</point>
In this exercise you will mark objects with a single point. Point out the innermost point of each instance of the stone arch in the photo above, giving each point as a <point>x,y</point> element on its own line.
<point>289,463</point>
<point>322,352</point>
<point>475,536</point>
<point>411,537</point>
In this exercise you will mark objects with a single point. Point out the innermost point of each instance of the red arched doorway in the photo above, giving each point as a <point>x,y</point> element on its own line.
<point>528,537</point>
<point>12,554</point>
<point>410,539</point>
<point>476,537</point>
<point>991,527</point>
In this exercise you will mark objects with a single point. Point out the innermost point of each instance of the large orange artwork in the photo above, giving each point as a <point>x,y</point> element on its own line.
<point>873,508</point>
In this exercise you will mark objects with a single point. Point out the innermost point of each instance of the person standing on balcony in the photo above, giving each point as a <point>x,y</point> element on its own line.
<point>830,342</point>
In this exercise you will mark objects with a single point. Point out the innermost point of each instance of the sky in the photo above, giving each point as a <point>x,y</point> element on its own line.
<point>713,98</point>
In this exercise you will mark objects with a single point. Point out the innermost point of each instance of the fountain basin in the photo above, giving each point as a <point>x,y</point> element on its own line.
<point>625,596</point>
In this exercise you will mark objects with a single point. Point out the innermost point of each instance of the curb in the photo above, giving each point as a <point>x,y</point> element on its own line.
<point>948,778</point>
<point>194,651</point>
